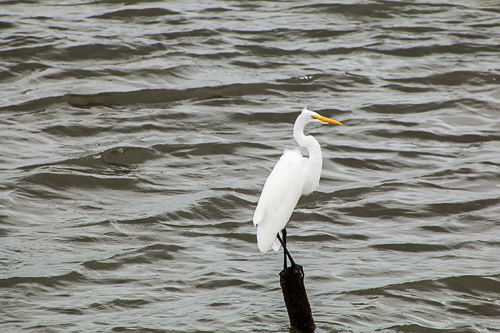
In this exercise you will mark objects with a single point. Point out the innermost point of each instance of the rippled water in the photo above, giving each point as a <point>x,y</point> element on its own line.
<point>136,137</point>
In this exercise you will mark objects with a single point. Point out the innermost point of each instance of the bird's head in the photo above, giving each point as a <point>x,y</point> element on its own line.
<point>314,117</point>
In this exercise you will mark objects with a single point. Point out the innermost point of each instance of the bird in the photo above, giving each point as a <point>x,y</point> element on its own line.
<point>293,176</point>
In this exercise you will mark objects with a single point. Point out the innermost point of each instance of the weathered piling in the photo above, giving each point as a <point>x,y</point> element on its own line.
<point>296,301</point>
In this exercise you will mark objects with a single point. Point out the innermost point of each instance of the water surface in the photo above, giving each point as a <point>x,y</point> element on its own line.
<point>136,136</point>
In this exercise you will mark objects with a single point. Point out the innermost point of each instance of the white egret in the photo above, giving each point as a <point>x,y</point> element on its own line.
<point>293,176</point>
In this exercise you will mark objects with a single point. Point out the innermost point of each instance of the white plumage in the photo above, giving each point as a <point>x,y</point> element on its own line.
<point>293,176</point>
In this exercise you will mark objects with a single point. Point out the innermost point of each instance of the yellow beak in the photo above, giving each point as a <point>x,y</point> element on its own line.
<point>328,120</point>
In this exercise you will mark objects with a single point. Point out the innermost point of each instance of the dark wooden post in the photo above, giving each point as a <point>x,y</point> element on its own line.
<point>296,301</point>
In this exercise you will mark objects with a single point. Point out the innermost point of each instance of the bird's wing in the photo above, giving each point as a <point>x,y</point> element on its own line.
<point>279,197</point>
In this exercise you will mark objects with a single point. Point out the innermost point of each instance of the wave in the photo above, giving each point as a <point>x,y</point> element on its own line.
<point>46,281</point>
<point>136,140</point>
<point>135,12</point>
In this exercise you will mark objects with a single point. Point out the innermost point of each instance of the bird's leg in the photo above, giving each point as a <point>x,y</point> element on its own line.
<point>283,232</point>
<point>286,250</point>
<point>284,236</point>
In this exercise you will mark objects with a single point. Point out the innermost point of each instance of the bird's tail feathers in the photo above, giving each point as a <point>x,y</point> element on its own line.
<point>266,240</point>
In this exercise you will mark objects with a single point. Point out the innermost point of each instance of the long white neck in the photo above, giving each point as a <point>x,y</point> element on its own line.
<point>315,161</point>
